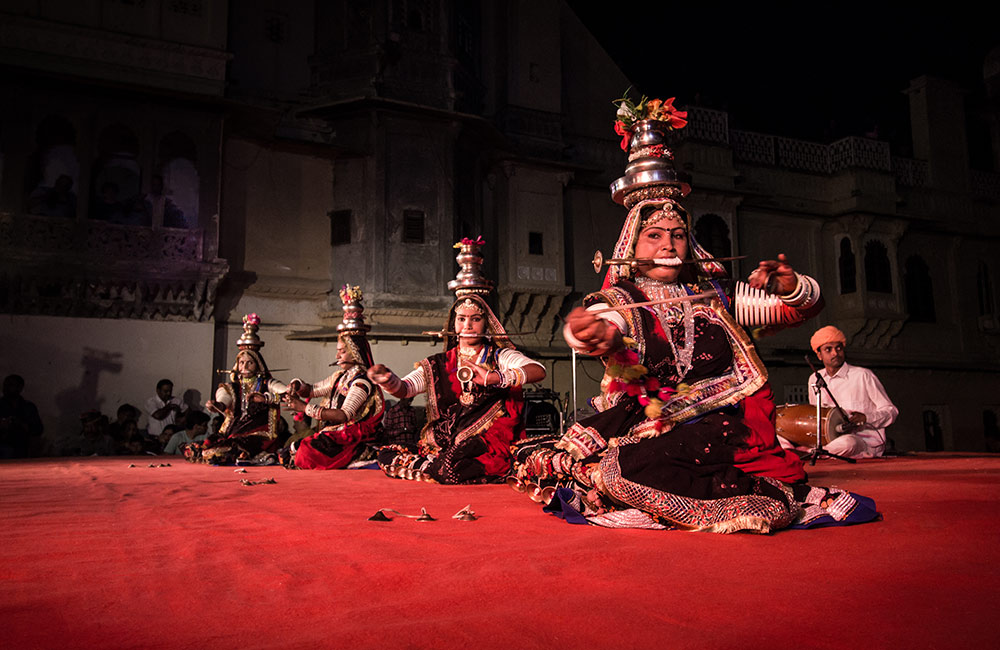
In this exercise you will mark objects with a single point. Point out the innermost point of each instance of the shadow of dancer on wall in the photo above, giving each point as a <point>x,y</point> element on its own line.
<point>71,402</point>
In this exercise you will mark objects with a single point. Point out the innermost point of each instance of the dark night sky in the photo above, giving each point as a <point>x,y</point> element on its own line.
<point>793,69</point>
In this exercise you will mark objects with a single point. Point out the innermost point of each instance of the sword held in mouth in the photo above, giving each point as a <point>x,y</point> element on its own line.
<point>485,335</point>
<point>599,261</point>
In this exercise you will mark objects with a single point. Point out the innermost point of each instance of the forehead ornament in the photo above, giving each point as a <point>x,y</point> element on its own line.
<point>470,305</point>
<point>665,217</point>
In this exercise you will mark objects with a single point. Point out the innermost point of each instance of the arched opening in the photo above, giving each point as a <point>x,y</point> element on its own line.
<point>984,289</point>
<point>53,170</point>
<point>712,233</point>
<point>847,265</point>
<point>174,193</point>
<point>933,436</point>
<point>919,290</point>
<point>117,179</point>
<point>878,271</point>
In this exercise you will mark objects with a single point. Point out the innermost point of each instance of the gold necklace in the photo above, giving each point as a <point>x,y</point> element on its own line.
<point>466,374</point>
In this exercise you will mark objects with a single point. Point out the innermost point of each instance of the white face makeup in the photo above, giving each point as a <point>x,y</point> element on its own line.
<point>344,355</point>
<point>246,366</point>
<point>660,240</point>
<point>470,324</point>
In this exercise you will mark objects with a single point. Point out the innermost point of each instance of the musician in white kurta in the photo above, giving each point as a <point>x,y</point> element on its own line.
<point>858,391</point>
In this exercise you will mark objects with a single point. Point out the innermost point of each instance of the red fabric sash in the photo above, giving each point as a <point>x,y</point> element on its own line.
<point>765,457</point>
<point>339,444</point>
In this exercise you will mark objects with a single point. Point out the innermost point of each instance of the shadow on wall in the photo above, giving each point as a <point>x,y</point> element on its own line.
<point>71,402</point>
<point>192,400</point>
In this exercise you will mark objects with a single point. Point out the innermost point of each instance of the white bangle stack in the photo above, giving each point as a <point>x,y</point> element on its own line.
<point>805,295</point>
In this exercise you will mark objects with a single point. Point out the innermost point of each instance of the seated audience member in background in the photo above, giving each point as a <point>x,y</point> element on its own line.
<point>195,430</point>
<point>58,201</point>
<point>127,419</point>
<point>133,443</point>
<point>20,425</point>
<point>858,391</point>
<point>94,437</point>
<point>162,408</point>
<point>302,428</point>
<point>399,424</point>
<point>168,433</point>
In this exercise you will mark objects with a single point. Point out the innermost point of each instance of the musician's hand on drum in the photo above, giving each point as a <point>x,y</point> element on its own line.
<point>776,276</point>
<point>594,333</point>
<point>858,419</point>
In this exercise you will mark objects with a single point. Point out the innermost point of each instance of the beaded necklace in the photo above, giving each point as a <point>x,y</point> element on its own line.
<point>247,386</point>
<point>669,315</point>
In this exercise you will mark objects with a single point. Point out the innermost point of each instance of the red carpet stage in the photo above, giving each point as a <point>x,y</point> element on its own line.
<point>96,554</point>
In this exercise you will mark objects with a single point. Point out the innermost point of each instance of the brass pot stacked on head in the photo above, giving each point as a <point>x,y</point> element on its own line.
<point>650,172</point>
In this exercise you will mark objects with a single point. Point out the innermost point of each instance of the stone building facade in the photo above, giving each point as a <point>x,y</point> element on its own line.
<point>229,158</point>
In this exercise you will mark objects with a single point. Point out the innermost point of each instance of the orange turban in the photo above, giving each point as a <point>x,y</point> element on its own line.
<point>824,335</point>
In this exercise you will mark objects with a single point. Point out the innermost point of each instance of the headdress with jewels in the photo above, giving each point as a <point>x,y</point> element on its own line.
<point>353,330</point>
<point>471,290</point>
<point>249,345</point>
<point>651,187</point>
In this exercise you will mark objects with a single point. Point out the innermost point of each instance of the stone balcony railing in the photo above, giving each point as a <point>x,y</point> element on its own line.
<point>985,184</point>
<point>909,172</point>
<point>86,240</point>
<point>70,267</point>
<point>710,125</point>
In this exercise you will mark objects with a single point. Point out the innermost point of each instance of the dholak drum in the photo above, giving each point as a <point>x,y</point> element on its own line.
<point>797,423</point>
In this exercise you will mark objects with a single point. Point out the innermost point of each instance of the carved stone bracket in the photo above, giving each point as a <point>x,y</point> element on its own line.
<point>871,333</point>
<point>387,324</point>
<point>533,313</point>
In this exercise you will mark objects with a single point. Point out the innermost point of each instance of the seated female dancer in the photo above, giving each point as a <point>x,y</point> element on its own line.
<point>684,436</point>
<point>249,402</point>
<point>474,399</point>
<point>352,407</point>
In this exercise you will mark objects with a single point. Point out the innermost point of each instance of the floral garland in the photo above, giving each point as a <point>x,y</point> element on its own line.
<point>629,113</point>
<point>251,319</point>
<point>632,378</point>
<point>478,241</point>
<point>349,294</point>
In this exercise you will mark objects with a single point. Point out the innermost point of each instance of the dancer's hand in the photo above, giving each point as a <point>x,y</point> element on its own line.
<point>481,373</point>
<point>293,403</point>
<point>299,388</point>
<point>776,276</point>
<point>593,332</point>
<point>379,373</point>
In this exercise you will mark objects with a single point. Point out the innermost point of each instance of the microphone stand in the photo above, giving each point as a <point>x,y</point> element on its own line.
<point>818,452</point>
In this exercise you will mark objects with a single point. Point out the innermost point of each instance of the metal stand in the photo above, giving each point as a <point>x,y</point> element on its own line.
<point>818,452</point>
<point>574,384</point>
